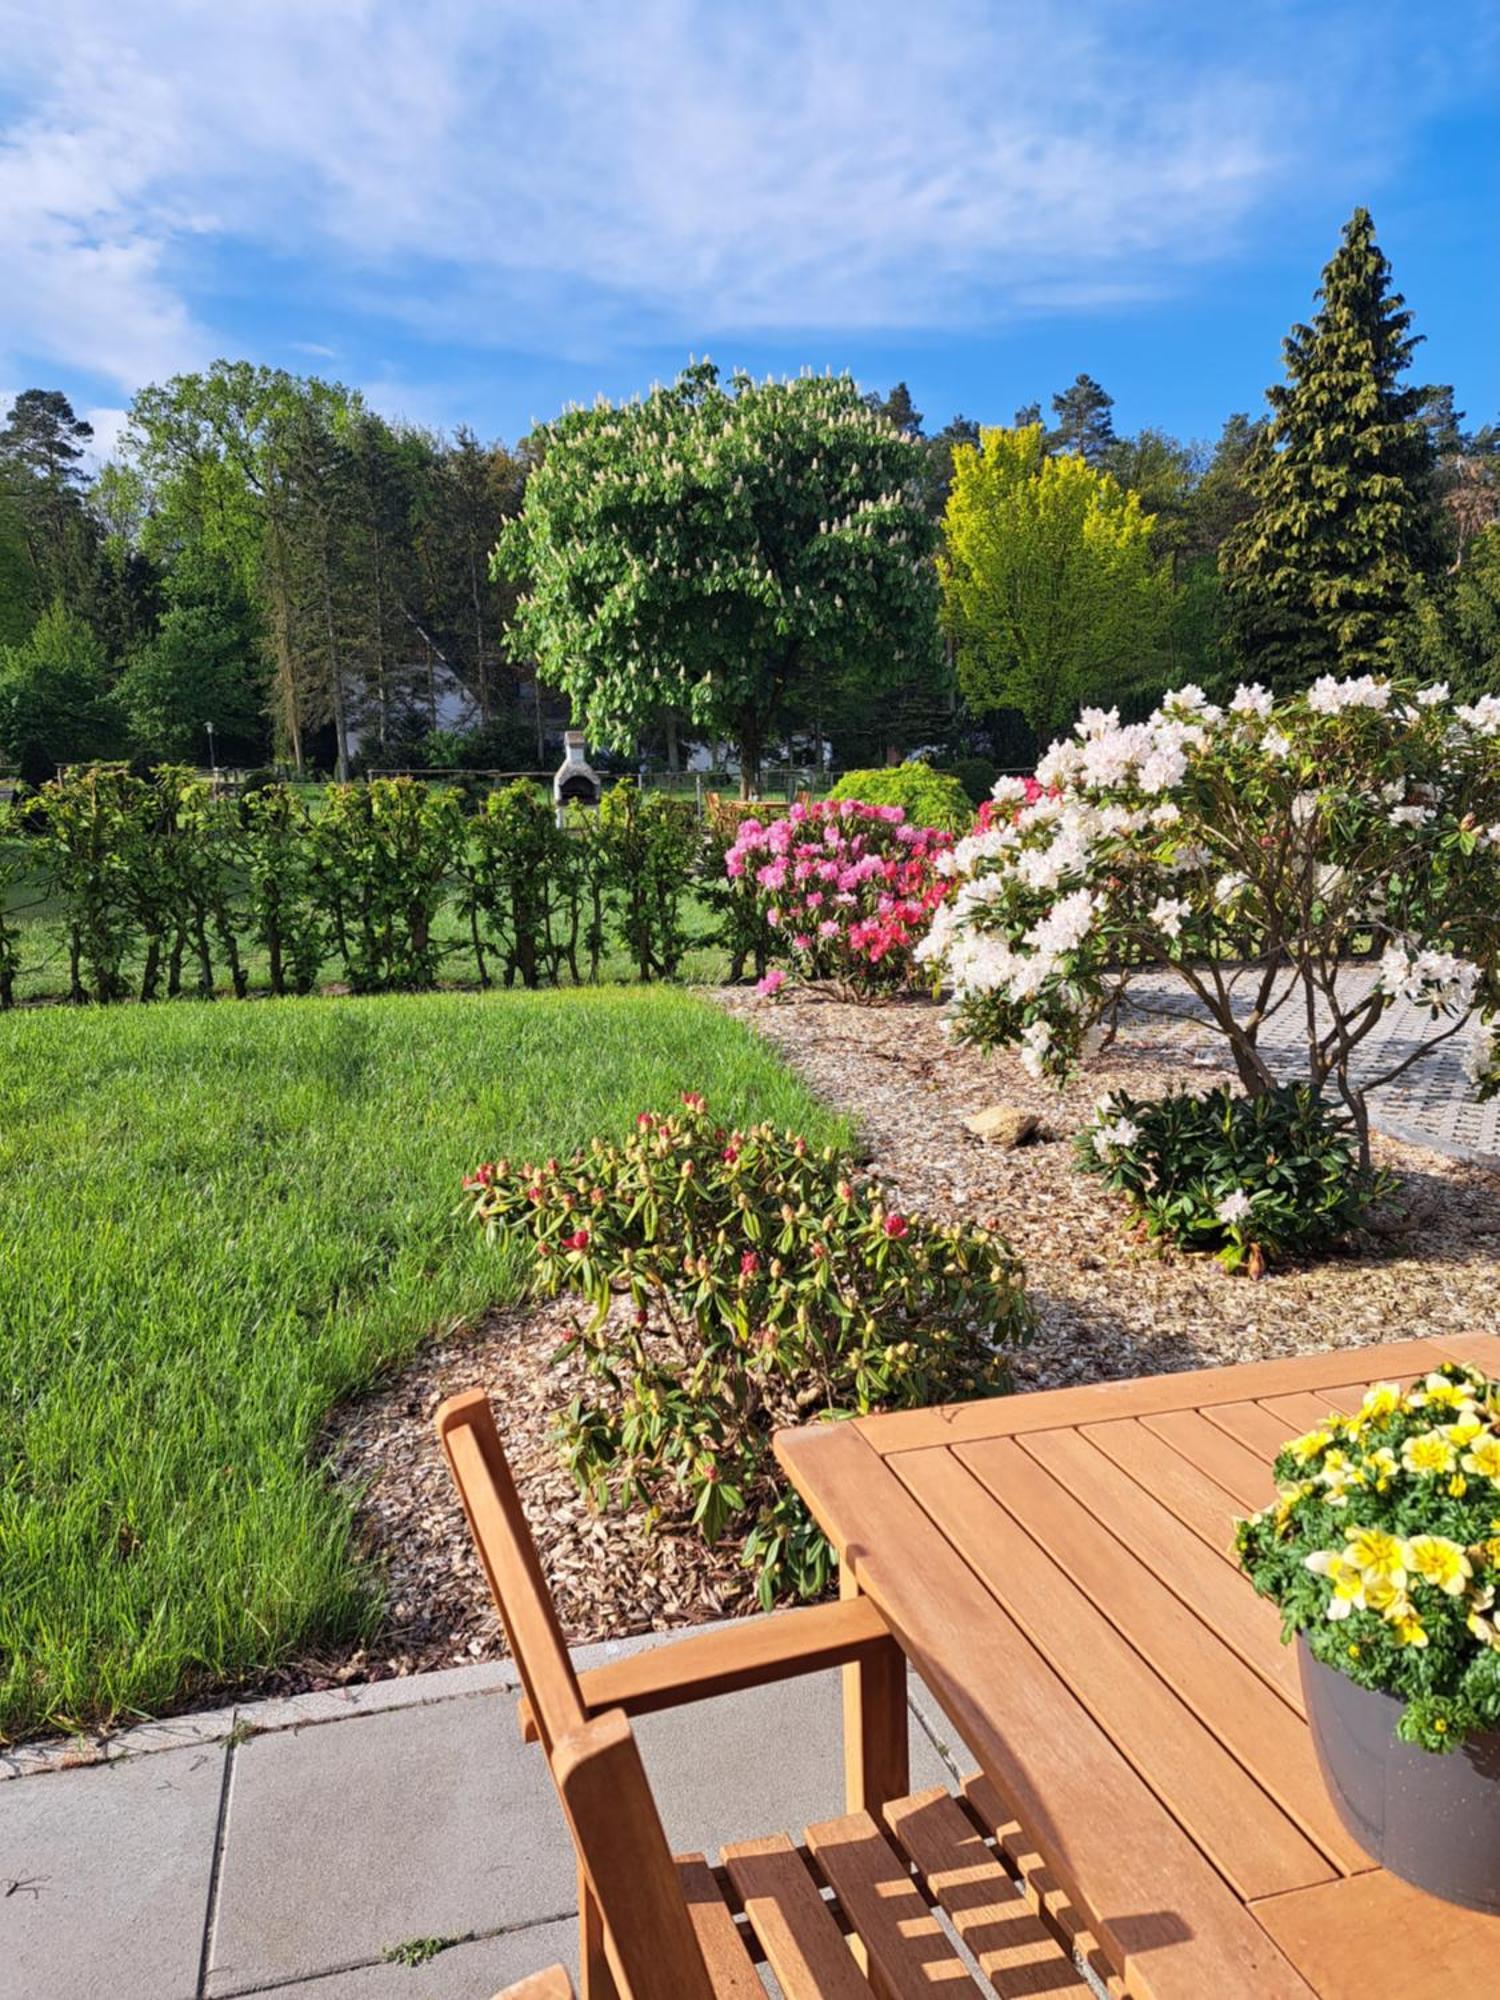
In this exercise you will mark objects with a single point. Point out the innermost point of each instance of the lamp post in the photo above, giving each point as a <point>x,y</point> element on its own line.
<point>213,759</point>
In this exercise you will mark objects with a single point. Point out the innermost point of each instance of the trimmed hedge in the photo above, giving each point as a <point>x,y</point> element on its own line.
<point>928,797</point>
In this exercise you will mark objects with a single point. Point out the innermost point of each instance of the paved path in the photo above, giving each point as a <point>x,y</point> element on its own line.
<point>291,1846</point>
<point>1432,1104</point>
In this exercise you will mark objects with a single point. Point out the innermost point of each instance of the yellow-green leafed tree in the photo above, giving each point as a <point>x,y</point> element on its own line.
<point>1052,590</point>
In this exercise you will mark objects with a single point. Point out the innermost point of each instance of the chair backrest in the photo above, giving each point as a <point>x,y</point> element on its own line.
<point>653,1950</point>
<point>497,1521</point>
<point>595,1765</point>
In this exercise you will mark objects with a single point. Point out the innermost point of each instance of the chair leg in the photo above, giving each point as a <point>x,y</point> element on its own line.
<point>595,1979</point>
<point>876,1757</point>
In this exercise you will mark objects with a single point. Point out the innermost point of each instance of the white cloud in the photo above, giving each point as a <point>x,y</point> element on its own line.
<point>545,172</point>
<point>109,424</point>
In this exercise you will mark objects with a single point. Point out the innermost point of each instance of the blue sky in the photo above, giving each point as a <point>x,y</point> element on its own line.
<point>477,212</point>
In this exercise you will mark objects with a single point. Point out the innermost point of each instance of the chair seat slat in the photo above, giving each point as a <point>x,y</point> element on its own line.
<point>910,1955</point>
<point>1011,1945</point>
<point>730,1966</point>
<point>803,1945</point>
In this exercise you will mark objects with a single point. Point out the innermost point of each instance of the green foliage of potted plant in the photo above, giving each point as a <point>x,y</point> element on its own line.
<point>1382,1552</point>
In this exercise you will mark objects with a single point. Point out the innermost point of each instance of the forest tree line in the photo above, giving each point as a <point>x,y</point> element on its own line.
<point>267,554</point>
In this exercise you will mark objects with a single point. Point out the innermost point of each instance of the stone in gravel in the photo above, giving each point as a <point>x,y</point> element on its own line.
<point>1003,1125</point>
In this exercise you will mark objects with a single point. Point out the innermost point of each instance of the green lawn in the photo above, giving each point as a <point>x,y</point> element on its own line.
<point>218,1219</point>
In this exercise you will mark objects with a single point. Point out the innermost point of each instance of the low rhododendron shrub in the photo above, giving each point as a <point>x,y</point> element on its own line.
<point>1324,858</point>
<point>765,1283</point>
<point>847,889</point>
<point>1383,1549</point>
<point>1254,1180</point>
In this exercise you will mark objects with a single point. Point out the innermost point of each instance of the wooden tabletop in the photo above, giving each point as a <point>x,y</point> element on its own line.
<point>1058,1567</point>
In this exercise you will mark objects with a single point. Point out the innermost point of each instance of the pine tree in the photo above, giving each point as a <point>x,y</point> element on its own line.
<point>1320,576</point>
<point>1084,426</point>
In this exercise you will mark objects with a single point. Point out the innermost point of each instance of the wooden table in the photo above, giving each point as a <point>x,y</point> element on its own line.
<point>1058,1569</point>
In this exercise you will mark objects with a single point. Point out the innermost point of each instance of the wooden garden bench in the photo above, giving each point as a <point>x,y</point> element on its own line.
<point>848,1912</point>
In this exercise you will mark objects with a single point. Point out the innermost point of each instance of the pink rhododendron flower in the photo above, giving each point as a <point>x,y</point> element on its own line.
<point>855,887</point>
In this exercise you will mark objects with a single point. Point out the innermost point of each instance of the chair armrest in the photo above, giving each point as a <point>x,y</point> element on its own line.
<point>553,1984</point>
<point>742,1655</point>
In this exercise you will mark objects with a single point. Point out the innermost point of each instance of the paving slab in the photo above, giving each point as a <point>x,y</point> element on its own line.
<point>474,1971</point>
<point>105,1876</point>
<point>767,1760</point>
<point>344,1839</point>
<point>1430,1104</point>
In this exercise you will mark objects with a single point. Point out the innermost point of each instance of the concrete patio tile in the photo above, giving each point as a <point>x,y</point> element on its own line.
<point>939,1732</point>
<point>296,1711</point>
<point>465,1972</point>
<point>56,1754</point>
<point>348,1838</point>
<point>767,1760</point>
<point>111,1868</point>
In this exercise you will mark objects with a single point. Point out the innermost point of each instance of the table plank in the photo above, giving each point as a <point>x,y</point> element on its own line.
<point>1254,1725</point>
<point>1198,1501</point>
<point>1264,1427</point>
<point>1208,1586</point>
<point>1195,1388</point>
<point>1243,1831</point>
<point>1215,1453</point>
<point>1167,1919</point>
<point>1373,1935</point>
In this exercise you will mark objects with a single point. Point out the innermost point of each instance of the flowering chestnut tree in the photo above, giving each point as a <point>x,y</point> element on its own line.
<point>1320,858</point>
<point>734,552</point>
<point>847,889</point>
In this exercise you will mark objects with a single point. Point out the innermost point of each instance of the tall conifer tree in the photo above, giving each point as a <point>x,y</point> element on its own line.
<point>1320,576</point>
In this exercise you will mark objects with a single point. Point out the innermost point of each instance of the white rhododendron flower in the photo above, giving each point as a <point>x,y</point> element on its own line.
<point>1189,843</point>
<point>1116,1137</point>
<point>1234,1207</point>
<point>1252,700</point>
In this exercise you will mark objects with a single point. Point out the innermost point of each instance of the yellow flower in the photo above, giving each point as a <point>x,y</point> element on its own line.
<point>1437,1391</point>
<point>1439,1562</point>
<point>1458,1486</point>
<point>1304,1448</point>
<point>1468,1427</point>
<point>1483,1621</point>
<point>1409,1629</point>
<point>1379,1557</point>
<point>1428,1454</point>
<point>1484,1460</point>
<point>1382,1464</point>
<point>1348,1582</point>
<point>1382,1399</point>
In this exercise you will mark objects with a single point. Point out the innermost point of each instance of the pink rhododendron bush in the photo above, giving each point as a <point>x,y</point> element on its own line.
<point>1325,857</point>
<point>847,890</point>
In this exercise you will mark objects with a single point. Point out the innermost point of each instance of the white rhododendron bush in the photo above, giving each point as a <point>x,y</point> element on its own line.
<point>1320,858</point>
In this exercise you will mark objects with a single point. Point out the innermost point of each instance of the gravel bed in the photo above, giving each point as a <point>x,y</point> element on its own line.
<point>1108,1305</point>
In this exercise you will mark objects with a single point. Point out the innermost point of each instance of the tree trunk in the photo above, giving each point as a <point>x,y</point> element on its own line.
<point>335,678</point>
<point>750,753</point>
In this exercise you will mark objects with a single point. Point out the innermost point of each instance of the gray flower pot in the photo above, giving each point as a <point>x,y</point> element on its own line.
<point>1434,1820</point>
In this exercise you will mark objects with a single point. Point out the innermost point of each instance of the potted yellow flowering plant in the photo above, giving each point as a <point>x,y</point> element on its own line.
<point>1382,1551</point>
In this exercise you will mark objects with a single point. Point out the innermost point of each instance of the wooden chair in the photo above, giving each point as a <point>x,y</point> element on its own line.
<point>848,1913</point>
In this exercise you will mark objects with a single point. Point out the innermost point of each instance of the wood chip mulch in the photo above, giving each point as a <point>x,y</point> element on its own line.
<point>1107,1306</point>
